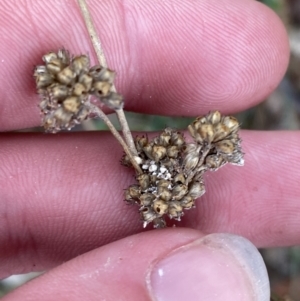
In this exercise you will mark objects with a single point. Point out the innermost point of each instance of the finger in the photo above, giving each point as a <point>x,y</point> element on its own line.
<point>172,57</point>
<point>63,195</point>
<point>171,265</point>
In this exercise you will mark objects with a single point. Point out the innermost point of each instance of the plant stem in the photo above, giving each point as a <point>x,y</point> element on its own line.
<point>126,131</point>
<point>92,32</point>
<point>101,58</point>
<point>113,130</point>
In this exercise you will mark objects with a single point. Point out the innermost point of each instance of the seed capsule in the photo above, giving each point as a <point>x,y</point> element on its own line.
<point>81,64</point>
<point>62,117</point>
<point>187,202</point>
<point>64,56</point>
<point>134,191</point>
<point>231,123</point>
<point>113,100</point>
<point>71,104</point>
<point>146,199</point>
<point>221,131</point>
<point>101,89</point>
<point>196,190</point>
<point>225,146</point>
<point>43,80</point>
<point>99,73</point>
<point>148,215</point>
<point>164,138</point>
<point>214,117</point>
<point>158,152</point>
<point>79,89</point>
<point>54,66</point>
<point>86,80</point>
<point>177,139</point>
<point>175,210</point>
<point>206,133</point>
<point>179,191</point>
<point>59,92</point>
<point>164,193</point>
<point>191,158</point>
<point>66,76</point>
<point>160,207</point>
<point>144,181</point>
<point>48,57</point>
<point>179,178</point>
<point>172,151</point>
<point>214,162</point>
<point>148,150</point>
<point>140,142</point>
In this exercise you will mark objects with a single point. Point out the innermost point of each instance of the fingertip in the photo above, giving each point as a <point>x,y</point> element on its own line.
<point>226,55</point>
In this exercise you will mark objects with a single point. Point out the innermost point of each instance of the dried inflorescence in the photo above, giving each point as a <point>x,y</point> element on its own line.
<point>169,170</point>
<point>172,169</point>
<point>65,85</point>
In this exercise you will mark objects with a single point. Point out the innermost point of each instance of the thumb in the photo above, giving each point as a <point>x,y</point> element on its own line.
<point>160,265</point>
<point>215,267</point>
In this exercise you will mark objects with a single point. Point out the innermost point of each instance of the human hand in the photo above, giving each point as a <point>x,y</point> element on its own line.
<point>61,195</point>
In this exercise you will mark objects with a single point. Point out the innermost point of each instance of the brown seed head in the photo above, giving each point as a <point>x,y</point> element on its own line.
<point>61,79</point>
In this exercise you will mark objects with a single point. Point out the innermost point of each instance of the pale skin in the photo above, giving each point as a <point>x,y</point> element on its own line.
<point>62,195</point>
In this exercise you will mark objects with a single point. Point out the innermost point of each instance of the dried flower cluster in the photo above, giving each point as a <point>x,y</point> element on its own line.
<point>172,177</point>
<point>169,170</point>
<point>65,85</point>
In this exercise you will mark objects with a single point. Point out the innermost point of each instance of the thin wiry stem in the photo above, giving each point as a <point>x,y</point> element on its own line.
<point>113,130</point>
<point>102,60</point>
<point>92,32</point>
<point>126,131</point>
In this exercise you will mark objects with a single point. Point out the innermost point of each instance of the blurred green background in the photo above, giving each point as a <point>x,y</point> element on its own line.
<point>281,110</point>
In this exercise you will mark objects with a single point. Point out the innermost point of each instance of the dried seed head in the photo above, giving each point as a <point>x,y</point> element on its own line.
<point>172,177</point>
<point>65,85</point>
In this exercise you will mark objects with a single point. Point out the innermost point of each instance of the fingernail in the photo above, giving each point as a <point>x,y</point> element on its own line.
<point>215,267</point>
